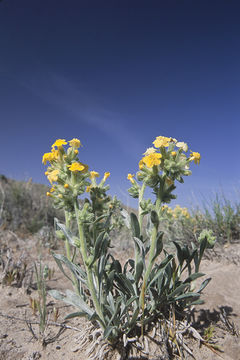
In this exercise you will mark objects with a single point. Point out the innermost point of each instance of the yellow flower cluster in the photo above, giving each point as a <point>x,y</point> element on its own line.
<point>152,159</point>
<point>177,212</point>
<point>60,162</point>
<point>76,166</point>
<point>67,172</point>
<point>156,156</point>
<point>161,141</point>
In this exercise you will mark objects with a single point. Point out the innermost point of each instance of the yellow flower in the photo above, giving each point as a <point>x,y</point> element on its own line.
<point>130,177</point>
<point>47,157</point>
<point>196,157</point>
<point>88,188</point>
<point>60,196</point>
<point>66,186</point>
<point>173,153</point>
<point>94,174</point>
<point>75,143</point>
<point>182,145</point>
<point>53,176</point>
<point>149,151</point>
<point>52,189</point>
<point>141,164</point>
<point>48,193</point>
<point>76,166</point>
<point>76,151</point>
<point>161,141</point>
<point>106,175</point>
<point>152,159</point>
<point>55,154</point>
<point>59,142</point>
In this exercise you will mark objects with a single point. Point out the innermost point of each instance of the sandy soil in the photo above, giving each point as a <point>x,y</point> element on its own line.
<point>221,308</point>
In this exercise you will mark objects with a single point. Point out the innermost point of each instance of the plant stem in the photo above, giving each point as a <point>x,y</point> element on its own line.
<point>151,253</point>
<point>68,250</point>
<point>140,217</point>
<point>141,193</point>
<point>84,252</point>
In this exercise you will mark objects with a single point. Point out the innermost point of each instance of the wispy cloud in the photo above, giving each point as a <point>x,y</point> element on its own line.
<point>76,100</point>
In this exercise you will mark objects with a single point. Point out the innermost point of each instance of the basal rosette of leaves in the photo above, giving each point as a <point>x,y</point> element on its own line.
<point>124,300</point>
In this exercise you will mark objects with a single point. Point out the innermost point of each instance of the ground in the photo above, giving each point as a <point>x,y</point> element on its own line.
<point>220,312</point>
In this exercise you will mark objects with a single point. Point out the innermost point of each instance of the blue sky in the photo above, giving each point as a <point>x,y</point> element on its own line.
<point>117,74</point>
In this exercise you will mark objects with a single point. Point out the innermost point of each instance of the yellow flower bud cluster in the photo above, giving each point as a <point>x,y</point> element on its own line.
<point>167,161</point>
<point>66,174</point>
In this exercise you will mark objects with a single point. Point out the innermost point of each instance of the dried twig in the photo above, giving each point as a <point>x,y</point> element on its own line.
<point>52,323</point>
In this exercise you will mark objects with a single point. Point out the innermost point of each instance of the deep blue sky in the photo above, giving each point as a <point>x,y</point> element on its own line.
<point>116,74</point>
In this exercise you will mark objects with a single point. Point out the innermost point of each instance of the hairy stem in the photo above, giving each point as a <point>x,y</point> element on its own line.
<point>89,271</point>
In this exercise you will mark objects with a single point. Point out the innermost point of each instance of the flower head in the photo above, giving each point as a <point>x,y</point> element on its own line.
<point>53,176</point>
<point>182,145</point>
<point>161,141</point>
<point>130,177</point>
<point>76,166</point>
<point>152,159</point>
<point>59,142</point>
<point>106,175</point>
<point>75,143</point>
<point>47,157</point>
<point>195,156</point>
<point>94,174</point>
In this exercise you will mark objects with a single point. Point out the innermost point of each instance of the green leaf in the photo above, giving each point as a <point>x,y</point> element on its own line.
<point>59,264</point>
<point>196,302</point>
<point>128,303</point>
<point>139,244</point>
<point>193,277</point>
<point>139,271</point>
<point>160,270</point>
<point>178,290</point>
<point>204,284</point>
<point>154,218</point>
<point>124,284</point>
<point>68,235</point>
<point>179,253</point>
<point>75,300</point>
<point>72,299</point>
<point>75,269</point>
<point>75,314</point>
<point>100,244</point>
<point>187,295</point>
<point>159,245</point>
<point>135,225</point>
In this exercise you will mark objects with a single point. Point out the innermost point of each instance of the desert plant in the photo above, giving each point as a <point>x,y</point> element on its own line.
<point>125,301</point>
